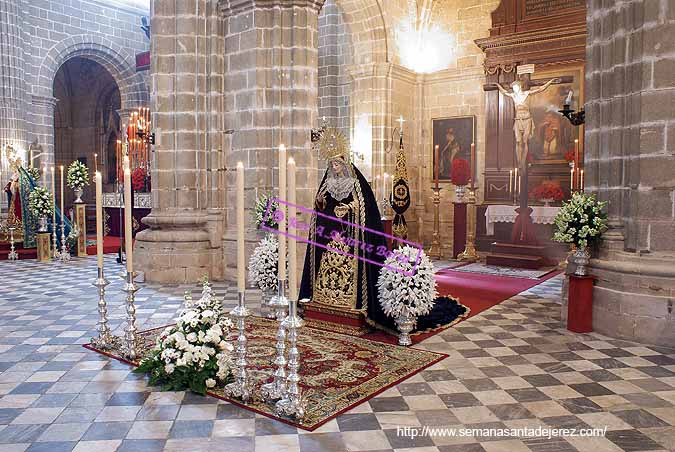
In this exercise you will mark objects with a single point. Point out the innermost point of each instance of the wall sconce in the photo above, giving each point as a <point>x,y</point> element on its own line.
<point>575,117</point>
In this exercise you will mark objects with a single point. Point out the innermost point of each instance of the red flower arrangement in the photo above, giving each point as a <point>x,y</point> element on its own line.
<point>547,190</point>
<point>569,155</point>
<point>460,172</point>
<point>138,178</point>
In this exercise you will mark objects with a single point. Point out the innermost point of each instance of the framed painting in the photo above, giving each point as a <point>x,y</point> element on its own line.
<point>553,134</point>
<point>453,136</point>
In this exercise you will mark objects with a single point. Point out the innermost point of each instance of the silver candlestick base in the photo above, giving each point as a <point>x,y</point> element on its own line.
<point>55,247</point>
<point>239,389</point>
<point>12,255</point>
<point>292,404</point>
<point>276,389</point>
<point>105,339</point>
<point>279,302</point>
<point>64,255</point>
<point>131,345</point>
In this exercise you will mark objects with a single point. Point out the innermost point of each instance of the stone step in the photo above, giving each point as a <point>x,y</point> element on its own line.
<point>515,260</point>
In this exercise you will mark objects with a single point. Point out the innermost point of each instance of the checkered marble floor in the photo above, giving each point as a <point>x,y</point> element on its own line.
<point>513,366</point>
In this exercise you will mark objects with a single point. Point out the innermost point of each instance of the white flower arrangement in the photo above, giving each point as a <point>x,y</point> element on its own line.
<point>263,265</point>
<point>41,202</point>
<point>78,175</point>
<point>404,295</point>
<point>260,211</point>
<point>580,221</point>
<point>195,353</point>
<point>34,173</point>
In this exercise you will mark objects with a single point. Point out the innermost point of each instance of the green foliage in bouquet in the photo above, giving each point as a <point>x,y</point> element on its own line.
<point>41,202</point>
<point>78,175</point>
<point>581,221</point>
<point>260,214</point>
<point>195,353</point>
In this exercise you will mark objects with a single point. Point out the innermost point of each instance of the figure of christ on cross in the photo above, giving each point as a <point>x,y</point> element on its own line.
<point>523,126</point>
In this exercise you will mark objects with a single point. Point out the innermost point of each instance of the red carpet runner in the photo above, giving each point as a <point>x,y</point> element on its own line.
<point>480,291</point>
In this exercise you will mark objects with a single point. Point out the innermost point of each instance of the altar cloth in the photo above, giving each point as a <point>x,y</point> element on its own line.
<point>507,214</point>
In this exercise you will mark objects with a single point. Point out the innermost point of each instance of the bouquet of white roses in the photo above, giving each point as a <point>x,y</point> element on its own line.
<point>41,202</point>
<point>195,353</point>
<point>263,211</point>
<point>580,221</point>
<point>78,175</point>
<point>406,284</point>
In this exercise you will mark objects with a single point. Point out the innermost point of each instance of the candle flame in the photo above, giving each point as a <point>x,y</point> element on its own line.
<point>282,147</point>
<point>240,165</point>
<point>291,161</point>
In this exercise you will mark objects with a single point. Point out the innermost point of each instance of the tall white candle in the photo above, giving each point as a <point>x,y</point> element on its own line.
<point>581,184</point>
<point>292,249</point>
<point>99,219</point>
<point>572,179</point>
<point>128,232</point>
<point>510,181</point>
<point>384,186</point>
<point>62,212</point>
<point>378,185</point>
<point>53,201</point>
<point>282,223</point>
<point>241,256</point>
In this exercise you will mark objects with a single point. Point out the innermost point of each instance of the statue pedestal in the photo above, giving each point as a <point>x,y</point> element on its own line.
<point>43,247</point>
<point>81,223</point>
<point>459,229</point>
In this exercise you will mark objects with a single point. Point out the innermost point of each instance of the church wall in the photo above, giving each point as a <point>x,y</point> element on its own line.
<point>629,163</point>
<point>50,25</point>
<point>456,91</point>
<point>47,31</point>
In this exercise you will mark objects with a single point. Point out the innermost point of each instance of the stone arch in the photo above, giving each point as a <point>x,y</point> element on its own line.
<point>121,65</point>
<point>365,21</point>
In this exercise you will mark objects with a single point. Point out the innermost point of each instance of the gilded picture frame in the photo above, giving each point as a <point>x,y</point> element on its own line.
<point>454,136</point>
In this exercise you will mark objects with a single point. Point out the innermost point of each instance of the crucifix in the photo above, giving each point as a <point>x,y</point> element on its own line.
<point>523,130</point>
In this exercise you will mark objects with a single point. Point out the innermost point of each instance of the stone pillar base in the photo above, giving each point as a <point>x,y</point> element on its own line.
<point>633,298</point>
<point>176,248</point>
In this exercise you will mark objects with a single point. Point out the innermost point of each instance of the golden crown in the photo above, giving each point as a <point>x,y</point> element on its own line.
<point>333,145</point>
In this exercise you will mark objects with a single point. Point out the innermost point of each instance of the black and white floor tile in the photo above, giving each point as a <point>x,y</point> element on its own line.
<point>513,366</point>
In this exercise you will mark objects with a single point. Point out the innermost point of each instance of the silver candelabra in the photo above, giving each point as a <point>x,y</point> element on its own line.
<point>55,247</point>
<point>12,255</point>
<point>64,255</point>
<point>131,348</point>
<point>276,389</point>
<point>292,403</point>
<point>240,387</point>
<point>105,339</point>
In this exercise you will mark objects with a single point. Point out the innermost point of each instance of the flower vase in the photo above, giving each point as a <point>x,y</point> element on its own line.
<point>547,202</point>
<point>581,258</point>
<point>42,224</point>
<point>460,192</point>
<point>405,324</point>
<point>265,308</point>
<point>78,195</point>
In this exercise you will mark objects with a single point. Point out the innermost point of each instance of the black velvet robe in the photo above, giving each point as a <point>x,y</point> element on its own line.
<point>373,248</point>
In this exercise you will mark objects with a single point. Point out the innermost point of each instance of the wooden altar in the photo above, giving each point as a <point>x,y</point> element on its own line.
<point>551,35</point>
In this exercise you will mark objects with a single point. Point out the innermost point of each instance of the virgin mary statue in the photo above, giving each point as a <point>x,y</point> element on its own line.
<point>346,246</point>
<point>347,249</point>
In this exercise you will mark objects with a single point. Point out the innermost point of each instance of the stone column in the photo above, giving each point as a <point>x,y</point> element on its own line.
<point>270,98</point>
<point>630,142</point>
<point>42,126</point>
<point>177,247</point>
<point>12,82</point>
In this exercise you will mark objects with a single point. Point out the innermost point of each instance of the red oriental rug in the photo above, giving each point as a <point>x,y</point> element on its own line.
<point>338,371</point>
